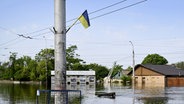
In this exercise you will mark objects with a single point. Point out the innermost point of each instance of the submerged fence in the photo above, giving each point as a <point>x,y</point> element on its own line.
<point>49,96</point>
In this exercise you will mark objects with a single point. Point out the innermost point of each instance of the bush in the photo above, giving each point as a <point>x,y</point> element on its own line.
<point>126,79</point>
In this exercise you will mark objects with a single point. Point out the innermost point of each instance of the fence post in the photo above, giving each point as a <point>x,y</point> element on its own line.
<point>37,94</point>
<point>66,96</point>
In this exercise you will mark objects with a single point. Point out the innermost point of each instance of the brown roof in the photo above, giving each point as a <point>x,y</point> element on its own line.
<point>167,70</point>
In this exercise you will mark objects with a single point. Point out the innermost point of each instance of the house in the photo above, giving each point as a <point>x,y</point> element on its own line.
<point>158,75</point>
<point>80,77</point>
<point>77,77</point>
<point>119,75</point>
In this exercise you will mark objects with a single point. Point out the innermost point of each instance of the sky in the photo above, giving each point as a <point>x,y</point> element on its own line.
<point>153,26</point>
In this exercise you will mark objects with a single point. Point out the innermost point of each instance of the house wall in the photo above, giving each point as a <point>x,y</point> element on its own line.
<point>175,81</point>
<point>80,79</point>
<point>141,71</point>
<point>146,77</point>
<point>150,80</point>
<point>76,77</point>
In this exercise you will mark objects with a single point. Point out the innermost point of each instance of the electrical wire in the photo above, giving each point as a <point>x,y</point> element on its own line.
<point>9,41</point>
<point>38,31</point>
<point>31,37</point>
<point>118,9</point>
<point>111,11</point>
<point>100,9</point>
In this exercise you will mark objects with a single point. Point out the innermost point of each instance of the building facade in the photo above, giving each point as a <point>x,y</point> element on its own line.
<point>158,75</point>
<point>80,77</point>
<point>77,77</point>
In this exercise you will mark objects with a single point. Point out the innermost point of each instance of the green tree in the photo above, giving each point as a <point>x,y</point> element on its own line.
<point>45,54</point>
<point>4,70</point>
<point>116,69</point>
<point>73,60</point>
<point>41,71</point>
<point>12,60</point>
<point>101,71</point>
<point>23,68</point>
<point>154,59</point>
<point>180,65</point>
<point>45,63</point>
<point>33,71</point>
<point>129,68</point>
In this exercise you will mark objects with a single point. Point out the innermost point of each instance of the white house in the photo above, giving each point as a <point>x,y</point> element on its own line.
<point>77,77</point>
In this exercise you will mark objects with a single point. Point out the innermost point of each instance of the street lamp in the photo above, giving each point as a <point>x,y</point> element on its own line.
<point>133,64</point>
<point>133,74</point>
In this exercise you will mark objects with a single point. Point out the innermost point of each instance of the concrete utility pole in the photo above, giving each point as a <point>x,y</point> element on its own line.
<point>133,58</point>
<point>60,49</point>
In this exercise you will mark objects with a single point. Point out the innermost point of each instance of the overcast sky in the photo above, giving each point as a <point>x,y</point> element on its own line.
<point>154,26</point>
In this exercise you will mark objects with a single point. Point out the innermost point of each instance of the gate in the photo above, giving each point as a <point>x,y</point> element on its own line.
<point>48,96</point>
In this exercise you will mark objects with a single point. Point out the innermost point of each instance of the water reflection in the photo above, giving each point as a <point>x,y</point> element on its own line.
<point>26,94</point>
<point>138,95</point>
<point>150,95</point>
<point>18,93</point>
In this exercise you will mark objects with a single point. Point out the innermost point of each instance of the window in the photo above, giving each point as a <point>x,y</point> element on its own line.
<point>91,79</point>
<point>73,80</point>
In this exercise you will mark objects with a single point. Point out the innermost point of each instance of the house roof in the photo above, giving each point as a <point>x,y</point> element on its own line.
<point>77,72</point>
<point>167,70</point>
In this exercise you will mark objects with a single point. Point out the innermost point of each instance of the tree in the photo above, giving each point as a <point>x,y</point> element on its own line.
<point>154,59</point>
<point>180,65</point>
<point>12,59</point>
<point>129,68</point>
<point>4,71</point>
<point>73,60</point>
<point>116,69</point>
<point>45,54</point>
<point>25,68</point>
<point>22,68</point>
<point>45,63</point>
<point>101,71</point>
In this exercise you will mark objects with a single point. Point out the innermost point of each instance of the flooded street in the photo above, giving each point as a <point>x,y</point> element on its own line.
<point>138,95</point>
<point>26,94</point>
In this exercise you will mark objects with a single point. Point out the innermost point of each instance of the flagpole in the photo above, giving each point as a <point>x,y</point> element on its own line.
<point>83,23</point>
<point>72,25</point>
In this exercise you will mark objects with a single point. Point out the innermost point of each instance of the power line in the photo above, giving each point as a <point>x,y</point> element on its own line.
<point>20,35</point>
<point>9,41</point>
<point>7,30</point>
<point>31,37</point>
<point>119,9</point>
<point>38,31</point>
<point>95,12</point>
<point>100,9</point>
<point>41,34</point>
<point>107,7</point>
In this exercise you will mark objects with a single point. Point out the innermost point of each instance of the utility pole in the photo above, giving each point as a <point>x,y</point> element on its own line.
<point>133,58</point>
<point>133,71</point>
<point>60,49</point>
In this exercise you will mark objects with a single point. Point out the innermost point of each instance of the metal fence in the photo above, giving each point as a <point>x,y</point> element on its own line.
<point>49,96</point>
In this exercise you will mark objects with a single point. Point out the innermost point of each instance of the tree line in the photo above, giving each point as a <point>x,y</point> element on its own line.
<point>39,69</point>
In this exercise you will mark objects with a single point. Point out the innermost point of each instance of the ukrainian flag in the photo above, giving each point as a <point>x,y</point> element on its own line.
<point>84,19</point>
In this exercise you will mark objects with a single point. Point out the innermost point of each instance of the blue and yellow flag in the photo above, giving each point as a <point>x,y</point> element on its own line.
<point>84,19</point>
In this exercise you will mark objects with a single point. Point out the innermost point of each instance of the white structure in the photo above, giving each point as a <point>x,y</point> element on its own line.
<point>108,78</point>
<point>77,77</point>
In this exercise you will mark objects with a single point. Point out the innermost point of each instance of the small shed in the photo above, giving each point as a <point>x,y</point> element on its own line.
<point>77,77</point>
<point>158,75</point>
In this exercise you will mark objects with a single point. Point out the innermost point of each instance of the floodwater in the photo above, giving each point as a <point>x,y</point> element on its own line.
<point>137,95</point>
<point>26,94</point>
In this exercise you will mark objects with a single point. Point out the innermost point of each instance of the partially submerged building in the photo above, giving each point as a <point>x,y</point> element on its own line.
<point>158,75</point>
<point>77,77</point>
<point>118,76</point>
